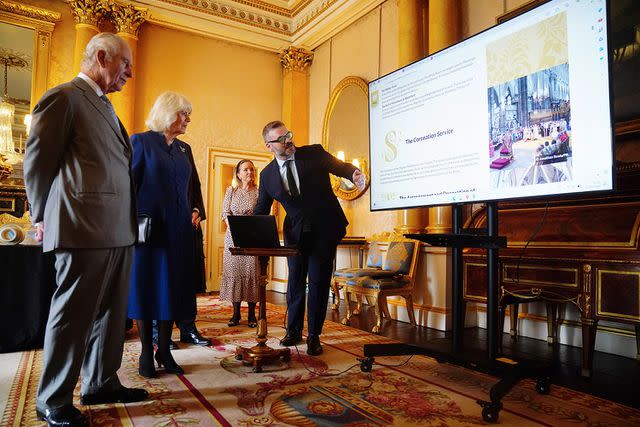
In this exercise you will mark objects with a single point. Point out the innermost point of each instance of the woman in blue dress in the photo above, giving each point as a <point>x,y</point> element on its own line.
<point>162,282</point>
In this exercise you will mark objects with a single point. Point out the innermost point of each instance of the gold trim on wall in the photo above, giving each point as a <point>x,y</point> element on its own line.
<point>42,21</point>
<point>333,100</point>
<point>506,278</point>
<point>599,291</point>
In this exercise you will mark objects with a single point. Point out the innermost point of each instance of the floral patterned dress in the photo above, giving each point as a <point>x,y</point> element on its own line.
<point>239,275</point>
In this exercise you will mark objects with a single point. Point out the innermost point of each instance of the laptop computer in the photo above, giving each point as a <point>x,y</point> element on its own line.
<point>254,231</point>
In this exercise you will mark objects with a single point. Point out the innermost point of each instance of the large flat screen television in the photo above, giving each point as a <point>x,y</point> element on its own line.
<point>522,109</point>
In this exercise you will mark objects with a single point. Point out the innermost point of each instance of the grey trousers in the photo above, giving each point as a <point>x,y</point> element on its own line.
<point>86,325</point>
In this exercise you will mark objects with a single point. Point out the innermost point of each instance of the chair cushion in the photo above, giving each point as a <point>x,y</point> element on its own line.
<point>399,257</point>
<point>383,282</point>
<point>374,255</point>
<point>356,272</point>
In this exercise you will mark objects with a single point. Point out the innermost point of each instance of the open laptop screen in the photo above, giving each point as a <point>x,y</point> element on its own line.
<point>254,231</point>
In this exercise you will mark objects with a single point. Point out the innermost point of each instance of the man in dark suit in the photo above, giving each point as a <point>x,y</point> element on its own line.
<point>299,179</point>
<point>77,171</point>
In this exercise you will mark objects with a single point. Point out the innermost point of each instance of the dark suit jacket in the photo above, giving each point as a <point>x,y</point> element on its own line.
<point>77,171</point>
<point>195,189</point>
<point>317,204</point>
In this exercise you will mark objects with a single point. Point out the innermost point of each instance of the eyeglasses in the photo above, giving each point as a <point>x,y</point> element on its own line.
<point>282,139</point>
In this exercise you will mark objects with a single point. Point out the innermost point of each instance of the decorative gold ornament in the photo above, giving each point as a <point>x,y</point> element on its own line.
<point>29,11</point>
<point>87,11</point>
<point>126,17</point>
<point>295,59</point>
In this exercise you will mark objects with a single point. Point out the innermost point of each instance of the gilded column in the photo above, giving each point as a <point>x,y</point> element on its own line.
<point>295,91</point>
<point>410,49</point>
<point>444,30</point>
<point>127,20</point>
<point>87,13</point>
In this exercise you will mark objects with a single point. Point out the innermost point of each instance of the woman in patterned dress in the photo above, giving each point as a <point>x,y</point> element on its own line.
<point>239,275</point>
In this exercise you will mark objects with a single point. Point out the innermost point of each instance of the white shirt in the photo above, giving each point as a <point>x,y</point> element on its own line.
<point>283,173</point>
<point>91,83</point>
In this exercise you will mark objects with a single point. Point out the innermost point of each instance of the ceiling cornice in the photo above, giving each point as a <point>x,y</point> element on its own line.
<point>272,25</point>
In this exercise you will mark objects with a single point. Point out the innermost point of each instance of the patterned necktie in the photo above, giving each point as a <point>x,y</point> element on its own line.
<point>293,188</point>
<point>110,108</point>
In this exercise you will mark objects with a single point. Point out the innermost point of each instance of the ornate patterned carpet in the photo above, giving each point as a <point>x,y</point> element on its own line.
<point>217,390</point>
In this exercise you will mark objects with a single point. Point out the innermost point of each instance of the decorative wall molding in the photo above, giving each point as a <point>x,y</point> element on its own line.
<point>29,11</point>
<point>271,25</point>
<point>127,18</point>
<point>87,12</point>
<point>295,59</point>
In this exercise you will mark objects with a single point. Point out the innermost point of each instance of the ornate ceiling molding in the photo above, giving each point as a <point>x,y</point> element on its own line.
<point>29,11</point>
<point>267,24</point>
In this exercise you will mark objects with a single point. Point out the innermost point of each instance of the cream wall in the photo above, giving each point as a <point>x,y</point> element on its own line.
<point>366,49</point>
<point>235,90</point>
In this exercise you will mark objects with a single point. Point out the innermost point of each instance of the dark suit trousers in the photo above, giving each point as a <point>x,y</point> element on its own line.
<point>85,329</point>
<point>316,257</point>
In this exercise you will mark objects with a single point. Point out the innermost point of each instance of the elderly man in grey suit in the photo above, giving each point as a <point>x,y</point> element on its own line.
<point>77,171</point>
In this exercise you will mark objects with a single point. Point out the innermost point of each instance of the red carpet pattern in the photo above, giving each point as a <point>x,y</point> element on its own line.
<point>329,390</point>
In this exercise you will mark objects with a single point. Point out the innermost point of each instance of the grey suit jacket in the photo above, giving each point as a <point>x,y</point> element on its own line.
<point>77,171</point>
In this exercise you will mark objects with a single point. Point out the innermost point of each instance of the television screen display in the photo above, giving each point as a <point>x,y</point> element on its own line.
<point>519,110</point>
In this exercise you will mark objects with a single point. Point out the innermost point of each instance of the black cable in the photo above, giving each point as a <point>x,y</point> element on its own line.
<point>533,235</point>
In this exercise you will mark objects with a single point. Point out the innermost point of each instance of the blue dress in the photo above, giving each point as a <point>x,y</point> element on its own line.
<point>162,280</point>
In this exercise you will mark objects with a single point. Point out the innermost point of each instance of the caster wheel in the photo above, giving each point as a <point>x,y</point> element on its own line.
<point>366,364</point>
<point>257,369</point>
<point>490,414</point>
<point>543,386</point>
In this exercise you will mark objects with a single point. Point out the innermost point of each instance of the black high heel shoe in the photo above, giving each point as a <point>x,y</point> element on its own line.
<point>234,321</point>
<point>170,365</point>
<point>252,322</point>
<point>146,367</point>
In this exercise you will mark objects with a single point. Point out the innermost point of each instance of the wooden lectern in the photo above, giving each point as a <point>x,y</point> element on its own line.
<point>261,353</point>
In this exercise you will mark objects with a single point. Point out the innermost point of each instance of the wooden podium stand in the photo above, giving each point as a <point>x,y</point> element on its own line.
<point>261,353</point>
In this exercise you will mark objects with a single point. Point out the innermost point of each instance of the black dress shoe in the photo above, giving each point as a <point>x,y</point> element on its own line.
<point>64,416</point>
<point>313,345</point>
<point>291,338</point>
<point>194,337</point>
<point>121,395</point>
<point>172,344</point>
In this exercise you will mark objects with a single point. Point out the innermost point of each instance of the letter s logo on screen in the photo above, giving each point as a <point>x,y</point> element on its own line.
<point>390,140</point>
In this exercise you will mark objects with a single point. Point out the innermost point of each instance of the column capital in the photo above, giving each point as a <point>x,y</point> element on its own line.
<point>87,11</point>
<point>127,18</point>
<point>295,59</point>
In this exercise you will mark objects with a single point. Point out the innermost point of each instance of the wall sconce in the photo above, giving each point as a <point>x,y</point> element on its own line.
<point>343,187</point>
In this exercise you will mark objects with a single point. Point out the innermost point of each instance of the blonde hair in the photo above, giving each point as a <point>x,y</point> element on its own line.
<point>165,110</point>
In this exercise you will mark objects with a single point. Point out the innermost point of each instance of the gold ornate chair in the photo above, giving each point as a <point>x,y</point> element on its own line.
<point>340,276</point>
<point>397,277</point>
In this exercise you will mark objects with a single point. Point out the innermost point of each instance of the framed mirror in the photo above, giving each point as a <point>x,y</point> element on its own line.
<point>345,132</point>
<point>25,41</point>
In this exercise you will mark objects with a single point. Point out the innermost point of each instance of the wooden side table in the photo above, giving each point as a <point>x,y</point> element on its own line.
<point>261,353</point>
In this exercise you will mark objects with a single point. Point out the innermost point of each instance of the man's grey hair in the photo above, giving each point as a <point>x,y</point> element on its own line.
<point>269,126</point>
<point>165,111</point>
<point>110,43</point>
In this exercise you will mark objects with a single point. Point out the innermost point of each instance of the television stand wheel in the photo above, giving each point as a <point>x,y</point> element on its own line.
<point>366,363</point>
<point>543,385</point>
<point>490,411</point>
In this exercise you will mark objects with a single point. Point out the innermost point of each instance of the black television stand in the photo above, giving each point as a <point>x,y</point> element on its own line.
<point>452,349</point>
